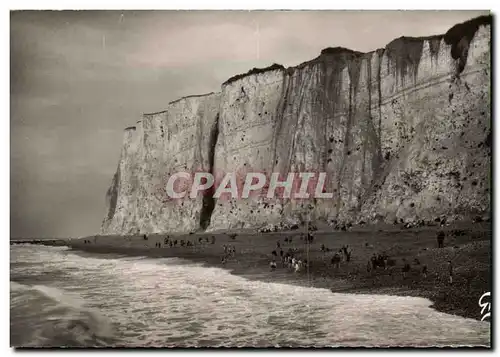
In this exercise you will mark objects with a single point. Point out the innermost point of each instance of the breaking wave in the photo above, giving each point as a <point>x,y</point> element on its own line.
<point>139,301</point>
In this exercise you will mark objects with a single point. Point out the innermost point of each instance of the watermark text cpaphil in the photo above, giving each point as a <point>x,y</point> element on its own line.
<point>294,185</point>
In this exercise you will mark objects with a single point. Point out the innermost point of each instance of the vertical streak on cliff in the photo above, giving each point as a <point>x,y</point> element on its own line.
<point>326,112</point>
<point>113,194</point>
<point>405,54</point>
<point>281,109</point>
<point>353,68</point>
<point>208,199</point>
<point>434,46</point>
<point>380,54</point>
<point>320,118</point>
<point>370,131</point>
<point>300,85</point>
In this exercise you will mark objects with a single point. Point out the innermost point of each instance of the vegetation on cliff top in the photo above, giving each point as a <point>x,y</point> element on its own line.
<point>403,58</point>
<point>273,67</point>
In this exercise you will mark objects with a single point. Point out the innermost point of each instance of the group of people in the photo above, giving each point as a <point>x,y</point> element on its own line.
<point>170,242</point>
<point>229,251</point>
<point>342,255</point>
<point>378,261</point>
<point>383,261</point>
<point>288,259</point>
<point>293,263</point>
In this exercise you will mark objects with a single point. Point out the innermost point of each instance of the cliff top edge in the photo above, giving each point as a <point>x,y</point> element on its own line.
<point>178,100</point>
<point>451,37</point>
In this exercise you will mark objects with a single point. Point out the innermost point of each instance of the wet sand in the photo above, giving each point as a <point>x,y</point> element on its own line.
<point>468,246</point>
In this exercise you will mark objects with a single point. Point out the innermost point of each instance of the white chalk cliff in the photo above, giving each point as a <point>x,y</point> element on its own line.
<point>403,133</point>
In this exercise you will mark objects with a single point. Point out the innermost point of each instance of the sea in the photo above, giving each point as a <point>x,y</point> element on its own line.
<point>61,297</point>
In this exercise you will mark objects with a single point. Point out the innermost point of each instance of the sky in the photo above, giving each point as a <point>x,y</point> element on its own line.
<point>78,78</point>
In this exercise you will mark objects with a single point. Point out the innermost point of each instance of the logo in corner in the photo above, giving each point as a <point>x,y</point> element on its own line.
<point>485,306</point>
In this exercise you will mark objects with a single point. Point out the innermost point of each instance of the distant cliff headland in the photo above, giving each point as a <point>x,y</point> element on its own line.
<point>403,133</point>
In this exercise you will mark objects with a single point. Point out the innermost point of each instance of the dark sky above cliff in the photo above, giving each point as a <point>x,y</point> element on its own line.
<point>79,78</point>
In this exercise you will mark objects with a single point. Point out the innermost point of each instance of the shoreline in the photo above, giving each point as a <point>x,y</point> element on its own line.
<point>470,253</point>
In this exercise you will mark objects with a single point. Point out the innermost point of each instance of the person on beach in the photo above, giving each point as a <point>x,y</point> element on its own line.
<point>380,261</point>
<point>175,243</point>
<point>374,261</point>
<point>322,248</point>
<point>406,268</point>
<point>385,260</point>
<point>274,254</point>
<point>450,272</point>
<point>424,271</point>
<point>200,240</point>
<point>336,260</point>
<point>344,252</point>
<point>278,245</point>
<point>348,252</point>
<point>298,265</point>
<point>145,237</point>
<point>272,265</point>
<point>281,253</point>
<point>440,239</point>
<point>225,248</point>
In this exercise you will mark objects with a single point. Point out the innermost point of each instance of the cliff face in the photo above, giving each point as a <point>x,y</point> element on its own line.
<point>178,139</point>
<point>402,132</point>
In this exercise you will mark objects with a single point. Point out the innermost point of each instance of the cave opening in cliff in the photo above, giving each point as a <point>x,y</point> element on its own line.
<point>208,199</point>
